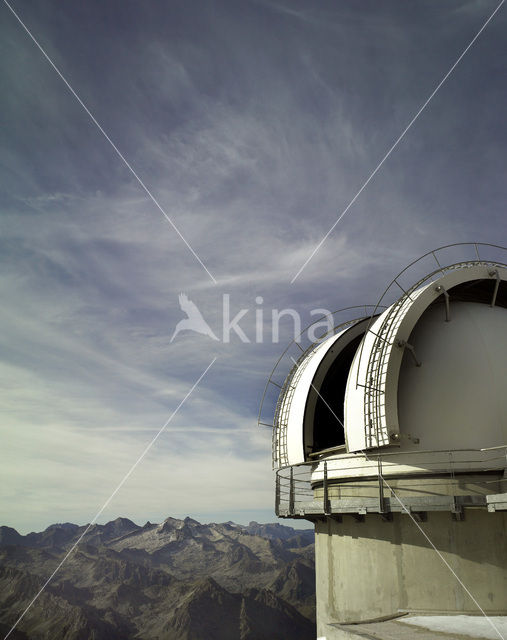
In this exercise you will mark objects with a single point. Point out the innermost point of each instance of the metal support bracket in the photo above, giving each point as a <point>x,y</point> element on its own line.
<point>495,274</point>
<point>403,344</point>
<point>291,492</point>
<point>277,495</point>
<point>441,289</point>
<point>326,505</point>
<point>457,512</point>
<point>381,505</point>
<point>419,516</point>
<point>396,437</point>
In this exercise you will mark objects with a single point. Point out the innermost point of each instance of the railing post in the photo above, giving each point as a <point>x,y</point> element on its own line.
<point>457,509</point>
<point>327,510</point>
<point>381,501</point>
<point>277,494</point>
<point>291,492</point>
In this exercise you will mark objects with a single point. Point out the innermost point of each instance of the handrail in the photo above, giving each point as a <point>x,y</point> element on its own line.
<point>295,490</point>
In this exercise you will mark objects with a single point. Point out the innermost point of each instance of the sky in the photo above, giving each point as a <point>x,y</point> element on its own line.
<point>253,124</point>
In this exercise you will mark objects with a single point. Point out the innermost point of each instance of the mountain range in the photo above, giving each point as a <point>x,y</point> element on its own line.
<point>177,580</point>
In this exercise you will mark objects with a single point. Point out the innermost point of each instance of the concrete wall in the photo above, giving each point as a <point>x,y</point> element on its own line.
<point>367,570</point>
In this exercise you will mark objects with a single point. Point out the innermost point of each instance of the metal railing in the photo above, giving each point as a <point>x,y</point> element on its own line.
<point>306,490</point>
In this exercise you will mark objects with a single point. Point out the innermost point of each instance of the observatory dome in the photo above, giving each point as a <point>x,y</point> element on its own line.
<point>398,418</point>
<point>427,375</point>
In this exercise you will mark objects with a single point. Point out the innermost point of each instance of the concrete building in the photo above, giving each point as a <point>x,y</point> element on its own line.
<point>390,435</point>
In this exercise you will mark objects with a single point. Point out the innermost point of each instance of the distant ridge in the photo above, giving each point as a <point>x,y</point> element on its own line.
<point>179,579</point>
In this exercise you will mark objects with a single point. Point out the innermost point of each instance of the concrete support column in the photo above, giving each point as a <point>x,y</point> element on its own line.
<point>375,568</point>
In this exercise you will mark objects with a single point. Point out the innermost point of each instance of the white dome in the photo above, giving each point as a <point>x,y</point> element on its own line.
<point>382,401</point>
<point>372,398</point>
<point>302,397</point>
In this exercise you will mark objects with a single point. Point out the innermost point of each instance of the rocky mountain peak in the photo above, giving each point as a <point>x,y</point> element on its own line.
<point>120,526</point>
<point>8,535</point>
<point>169,525</point>
<point>178,580</point>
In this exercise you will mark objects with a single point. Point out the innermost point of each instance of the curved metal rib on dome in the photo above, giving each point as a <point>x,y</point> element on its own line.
<point>382,335</point>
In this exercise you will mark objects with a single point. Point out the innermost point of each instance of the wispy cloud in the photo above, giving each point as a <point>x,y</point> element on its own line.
<point>253,125</point>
